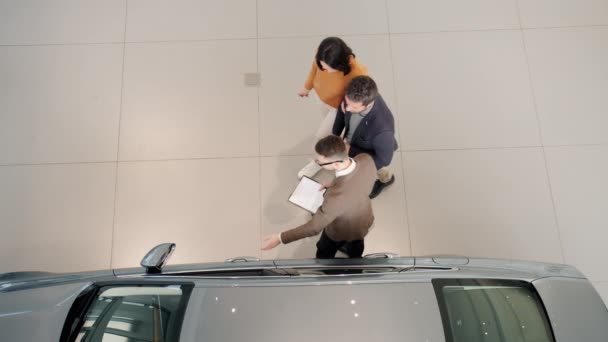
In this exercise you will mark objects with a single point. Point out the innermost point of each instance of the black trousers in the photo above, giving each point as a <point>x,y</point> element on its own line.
<point>327,248</point>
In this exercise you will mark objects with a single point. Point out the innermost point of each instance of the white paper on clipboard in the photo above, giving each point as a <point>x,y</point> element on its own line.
<point>307,195</point>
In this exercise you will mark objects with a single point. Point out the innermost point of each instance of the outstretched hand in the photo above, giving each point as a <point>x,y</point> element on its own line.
<point>303,92</point>
<point>270,242</point>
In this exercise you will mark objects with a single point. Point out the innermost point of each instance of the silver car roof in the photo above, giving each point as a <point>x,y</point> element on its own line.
<point>417,269</point>
<point>400,269</point>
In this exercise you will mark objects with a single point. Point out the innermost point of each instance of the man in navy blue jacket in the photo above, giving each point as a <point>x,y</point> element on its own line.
<point>368,127</point>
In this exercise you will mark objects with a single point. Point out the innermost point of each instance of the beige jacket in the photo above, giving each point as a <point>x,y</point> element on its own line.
<point>346,213</point>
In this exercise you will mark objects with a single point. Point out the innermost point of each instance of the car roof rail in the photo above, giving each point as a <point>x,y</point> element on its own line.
<point>242,259</point>
<point>157,257</point>
<point>385,255</point>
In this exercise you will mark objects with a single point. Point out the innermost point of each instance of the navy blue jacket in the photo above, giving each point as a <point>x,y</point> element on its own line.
<point>375,135</point>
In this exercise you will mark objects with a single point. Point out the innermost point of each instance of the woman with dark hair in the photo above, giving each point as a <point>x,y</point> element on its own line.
<point>334,66</point>
<point>332,69</point>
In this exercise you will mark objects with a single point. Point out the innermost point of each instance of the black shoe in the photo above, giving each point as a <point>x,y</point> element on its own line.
<point>379,186</point>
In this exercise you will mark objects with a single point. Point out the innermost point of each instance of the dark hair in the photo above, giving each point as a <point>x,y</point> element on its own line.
<point>331,146</point>
<point>335,53</point>
<point>362,89</point>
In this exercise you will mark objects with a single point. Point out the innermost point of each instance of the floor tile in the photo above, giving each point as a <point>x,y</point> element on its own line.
<point>189,100</point>
<point>463,90</point>
<point>27,22</point>
<point>390,232</point>
<point>280,18</point>
<point>492,203</point>
<point>568,68</point>
<point>209,208</point>
<point>553,13</point>
<point>444,15</point>
<point>59,103</point>
<point>56,218</point>
<point>158,20</point>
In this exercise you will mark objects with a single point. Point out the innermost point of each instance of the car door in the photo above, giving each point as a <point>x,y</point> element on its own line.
<point>575,308</point>
<point>128,312</point>
<point>491,310</point>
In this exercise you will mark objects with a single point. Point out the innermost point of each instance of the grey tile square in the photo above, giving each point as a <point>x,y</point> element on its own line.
<point>188,100</point>
<point>390,232</point>
<point>292,18</point>
<point>569,69</point>
<point>463,90</point>
<point>27,22</point>
<point>159,20</point>
<point>209,208</point>
<point>481,203</point>
<point>252,79</point>
<point>59,103</point>
<point>56,218</point>
<point>446,15</point>
<point>555,13</point>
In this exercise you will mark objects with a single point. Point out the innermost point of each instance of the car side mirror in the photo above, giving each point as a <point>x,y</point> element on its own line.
<point>157,257</point>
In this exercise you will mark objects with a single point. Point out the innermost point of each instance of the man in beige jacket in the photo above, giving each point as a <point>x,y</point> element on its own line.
<point>346,214</point>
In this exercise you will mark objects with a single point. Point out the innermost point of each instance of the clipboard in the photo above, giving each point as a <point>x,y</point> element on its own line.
<point>307,195</point>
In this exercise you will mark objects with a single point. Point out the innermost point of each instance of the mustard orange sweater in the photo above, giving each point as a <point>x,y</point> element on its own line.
<point>330,86</point>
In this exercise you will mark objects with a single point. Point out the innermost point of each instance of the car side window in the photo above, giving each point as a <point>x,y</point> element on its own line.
<point>134,313</point>
<point>476,310</point>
